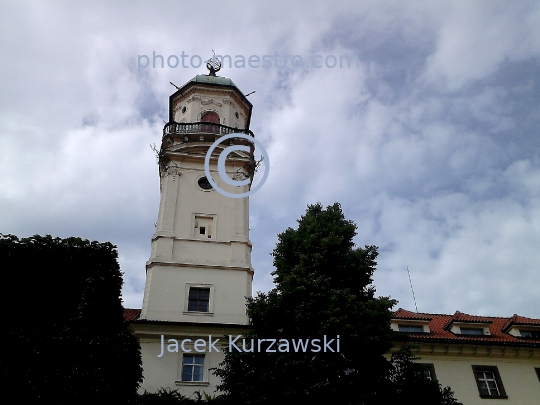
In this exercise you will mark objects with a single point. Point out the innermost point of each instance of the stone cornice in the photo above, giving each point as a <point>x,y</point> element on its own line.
<point>476,349</point>
<point>241,242</point>
<point>154,263</point>
<point>153,329</point>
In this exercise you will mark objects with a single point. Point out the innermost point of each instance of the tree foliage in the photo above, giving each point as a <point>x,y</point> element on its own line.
<point>63,324</point>
<point>411,385</point>
<point>323,287</point>
<point>174,397</point>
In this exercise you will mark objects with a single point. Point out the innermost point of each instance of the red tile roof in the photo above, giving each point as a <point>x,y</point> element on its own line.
<point>520,320</point>
<point>131,314</point>
<point>440,324</point>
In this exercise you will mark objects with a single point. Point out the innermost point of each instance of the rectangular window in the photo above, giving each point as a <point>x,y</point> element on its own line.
<point>204,227</point>
<point>428,370</point>
<point>192,367</point>
<point>471,331</point>
<point>411,328</point>
<point>531,334</point>
<point>489,382</point>
<point>199,299</point>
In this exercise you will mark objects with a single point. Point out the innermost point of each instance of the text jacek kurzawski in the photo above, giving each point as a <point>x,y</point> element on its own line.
<point>240,344</point>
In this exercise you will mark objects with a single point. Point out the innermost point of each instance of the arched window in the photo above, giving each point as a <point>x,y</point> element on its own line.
<point>210,116</point>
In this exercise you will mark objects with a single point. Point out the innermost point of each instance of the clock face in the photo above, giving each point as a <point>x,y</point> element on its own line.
<point>204,183</point>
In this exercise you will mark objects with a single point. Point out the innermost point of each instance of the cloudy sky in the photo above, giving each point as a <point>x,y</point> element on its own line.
<point>429,140</point>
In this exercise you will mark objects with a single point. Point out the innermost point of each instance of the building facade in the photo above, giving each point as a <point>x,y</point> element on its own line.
<point>480,358</point>
<point>199,272</point>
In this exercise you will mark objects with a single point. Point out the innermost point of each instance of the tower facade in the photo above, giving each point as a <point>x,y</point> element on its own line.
<point>199,272</point>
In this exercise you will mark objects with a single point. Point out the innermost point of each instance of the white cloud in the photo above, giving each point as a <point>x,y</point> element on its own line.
<point>476,37</point>
<point>430,144</point>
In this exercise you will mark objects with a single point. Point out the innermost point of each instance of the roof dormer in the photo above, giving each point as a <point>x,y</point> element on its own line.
<point>470,328</point>
<point>410,326</point>
<point>410,322</point>
<point>521,327</point>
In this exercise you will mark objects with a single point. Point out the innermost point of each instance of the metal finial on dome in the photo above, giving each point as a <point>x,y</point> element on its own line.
<point>213,64</point>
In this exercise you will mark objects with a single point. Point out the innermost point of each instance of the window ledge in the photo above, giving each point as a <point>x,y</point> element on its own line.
<point>494,396</point>
<point>198,313</point>
<point>201,383</point>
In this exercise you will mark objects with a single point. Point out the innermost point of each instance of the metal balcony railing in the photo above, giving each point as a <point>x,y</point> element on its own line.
<point>182,128</point>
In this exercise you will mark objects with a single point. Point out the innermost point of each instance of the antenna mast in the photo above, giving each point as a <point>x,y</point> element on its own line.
<point>412,289</point>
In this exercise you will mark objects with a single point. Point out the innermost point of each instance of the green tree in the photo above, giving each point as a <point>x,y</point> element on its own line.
<point>64,336</point>
<point>173,397</point>
<point>411,385</point>
<point>323,288</point>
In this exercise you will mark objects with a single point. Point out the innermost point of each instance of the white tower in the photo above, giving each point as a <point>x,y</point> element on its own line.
<point>199,272</point>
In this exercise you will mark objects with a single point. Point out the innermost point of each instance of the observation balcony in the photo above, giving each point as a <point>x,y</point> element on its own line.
<point>201,129</point>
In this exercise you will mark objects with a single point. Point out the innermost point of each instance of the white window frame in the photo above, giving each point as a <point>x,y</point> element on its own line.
<point>424,324</point>
<point>456,328</point>
<point>403,326</point>
<point>481,376</point>
<point>204,367</point>
<point>464,330</point>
